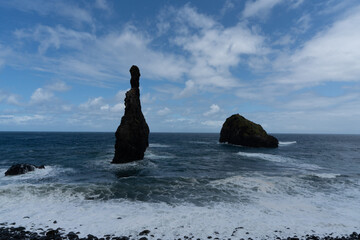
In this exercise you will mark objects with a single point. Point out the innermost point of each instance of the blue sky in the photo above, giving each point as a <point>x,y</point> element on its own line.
<point>291,65</point>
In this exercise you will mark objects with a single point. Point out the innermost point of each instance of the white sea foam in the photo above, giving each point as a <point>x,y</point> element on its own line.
<point>308,166</point>
<point>158,145</point>
<point>230,144</point>
<point>286,143</point>
<point>291,162</point>
<point>48,171</point>
<point>151,155</point>
<point>244,183</point>
<point>269,210</point>
<point>199,142</point>
<point>326,175</point>
<point>264,156</point>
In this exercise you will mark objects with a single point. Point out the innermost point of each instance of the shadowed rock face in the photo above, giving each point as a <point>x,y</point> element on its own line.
<point>132,136</point>
<point>240,131</point>
<point>18,169</point>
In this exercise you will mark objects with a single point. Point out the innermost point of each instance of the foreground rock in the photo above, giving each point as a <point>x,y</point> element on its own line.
<point>18,169</point>
<point>240,131</point>
<point>132,136</point>
<point>9,233</point>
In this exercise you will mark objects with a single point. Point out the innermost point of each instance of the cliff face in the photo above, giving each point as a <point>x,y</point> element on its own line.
<point>240,131</point>
<point>132,136</point>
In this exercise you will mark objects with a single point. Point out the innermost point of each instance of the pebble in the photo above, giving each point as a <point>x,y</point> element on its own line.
<point>145,232</point>
<point>7,232</point>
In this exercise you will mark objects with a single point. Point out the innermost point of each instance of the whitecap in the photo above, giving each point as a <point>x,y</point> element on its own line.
<point>150,155</point>
<point>326,175</point>
<point>308,166</point>
<point>243,183</point>
<point>264,156</point>
<point>286,143</point>
<point>281,159</point>
<point>48,171</point>
<point>199,142</point>
<point>158,145</point>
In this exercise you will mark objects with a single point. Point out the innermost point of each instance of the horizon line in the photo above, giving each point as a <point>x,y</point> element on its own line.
<point>158,132</point>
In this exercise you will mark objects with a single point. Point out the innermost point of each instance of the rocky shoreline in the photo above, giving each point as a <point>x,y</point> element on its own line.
<point>11,232</point>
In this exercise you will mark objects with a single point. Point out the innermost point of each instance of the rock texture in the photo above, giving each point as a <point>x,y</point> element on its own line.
<point>240,131</point>
<point>18,169</point>
<point>132,136</point>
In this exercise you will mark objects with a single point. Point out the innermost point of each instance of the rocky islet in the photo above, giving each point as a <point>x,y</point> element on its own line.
<point>241,131</point>
<point>22,168</point>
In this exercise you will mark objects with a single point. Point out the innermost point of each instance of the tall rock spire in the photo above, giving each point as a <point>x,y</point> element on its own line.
<point>132,136</point>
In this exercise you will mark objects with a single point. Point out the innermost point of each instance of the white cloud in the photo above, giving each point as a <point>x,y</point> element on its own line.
<point>51,7</point>
<point>303,23</point>
<point>332,55</point>
<point>4,54</point>
<point>163,111</point>
<point>13,99</point>
<point>214,108</point>
<point>259,7</point>
<point>105,107</point>
<point>58,37</point>
<point>213,48</point>
<point>46,94</point>
<point>41,95</point>
<point>98,106</point>
<point>310,101</point>
<point>92,103</point>
<point>296,3</point>
<point>9,98</point>
<point>102,4</point>
<point>101,59</point>
<point>208,53</point>
<point>341,118</point>
<point>229,5</point>
<point>66,108</point>
<point>119,107</point>
<point>147,98</point>
<point>194,19</point>
<point>284,40</point>
<point>130,46</point>
<point>190,89</point>
<point>212,123</point>
<point>222,47</point>
<point>22,119</point>
<point>58,87</point>
<point>2,96</point>
<point>120,95</point>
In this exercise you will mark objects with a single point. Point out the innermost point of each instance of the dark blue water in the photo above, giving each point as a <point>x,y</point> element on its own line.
<point>314,180</point>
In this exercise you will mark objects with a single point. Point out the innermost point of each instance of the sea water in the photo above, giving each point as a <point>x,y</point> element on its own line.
<point>187,184</point>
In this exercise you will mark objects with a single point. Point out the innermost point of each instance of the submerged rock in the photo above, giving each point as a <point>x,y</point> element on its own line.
<point>18,169</point>
<point>132,136</point>
<point>240,131</point>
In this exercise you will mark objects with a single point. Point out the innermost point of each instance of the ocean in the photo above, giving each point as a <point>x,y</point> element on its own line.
<point>188,184</point>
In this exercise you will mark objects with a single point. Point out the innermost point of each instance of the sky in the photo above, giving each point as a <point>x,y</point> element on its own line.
<point>292,66</point>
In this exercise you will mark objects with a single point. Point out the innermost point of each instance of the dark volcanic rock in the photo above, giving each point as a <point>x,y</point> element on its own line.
<point>145,232</point>
<point>240,131</point>
<point>18,169</point>
<point>132,136</point>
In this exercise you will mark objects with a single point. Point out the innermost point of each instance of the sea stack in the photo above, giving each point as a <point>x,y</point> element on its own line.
<point>240,131</point>
<point>18,169</point>
<point>132,136</point>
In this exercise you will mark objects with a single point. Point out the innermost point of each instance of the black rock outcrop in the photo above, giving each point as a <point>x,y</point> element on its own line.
<point>132,136</point>
<point>18,169</point>
<point>240,131</point>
